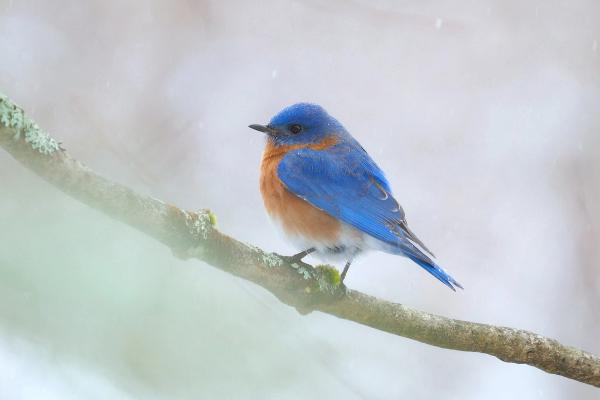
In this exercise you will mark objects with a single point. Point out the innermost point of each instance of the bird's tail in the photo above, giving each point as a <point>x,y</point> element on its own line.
<point>435,270</point>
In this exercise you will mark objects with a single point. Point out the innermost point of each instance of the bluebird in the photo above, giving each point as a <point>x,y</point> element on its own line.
<point>327,194</point>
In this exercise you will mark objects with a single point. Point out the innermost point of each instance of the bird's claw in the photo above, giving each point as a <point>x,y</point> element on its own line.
<point>297,258</point>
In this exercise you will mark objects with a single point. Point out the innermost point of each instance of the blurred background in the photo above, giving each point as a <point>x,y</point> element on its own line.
<point>484,114</point>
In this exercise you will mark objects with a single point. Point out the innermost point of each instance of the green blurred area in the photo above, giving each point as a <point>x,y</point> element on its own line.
<point>105,297</point>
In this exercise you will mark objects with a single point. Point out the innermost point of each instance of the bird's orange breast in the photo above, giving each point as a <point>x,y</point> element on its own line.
<point>297,216</point>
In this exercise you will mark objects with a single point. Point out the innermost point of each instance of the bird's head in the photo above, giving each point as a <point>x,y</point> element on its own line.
<point>301,123</point>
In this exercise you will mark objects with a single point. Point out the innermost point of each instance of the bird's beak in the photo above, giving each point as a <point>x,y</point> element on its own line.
<point>263,128</point>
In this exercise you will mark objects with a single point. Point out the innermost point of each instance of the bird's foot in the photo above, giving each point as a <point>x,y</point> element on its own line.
<point>297,258</point>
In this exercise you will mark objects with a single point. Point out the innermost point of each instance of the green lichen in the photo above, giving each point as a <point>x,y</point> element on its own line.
<point>12,116</point>
<point>305,272</point>
<point>199,223</point>
<point>302,270</point>
<point>213,218</point>
<point>328,278</point>
<point>271,260</point>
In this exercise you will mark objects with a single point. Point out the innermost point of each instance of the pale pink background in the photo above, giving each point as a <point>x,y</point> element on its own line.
<point>484,114</point>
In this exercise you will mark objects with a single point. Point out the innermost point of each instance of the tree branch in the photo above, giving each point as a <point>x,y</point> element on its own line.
<point>192,234</point>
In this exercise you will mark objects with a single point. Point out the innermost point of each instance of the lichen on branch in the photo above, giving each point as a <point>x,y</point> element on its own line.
<point>13,117</point>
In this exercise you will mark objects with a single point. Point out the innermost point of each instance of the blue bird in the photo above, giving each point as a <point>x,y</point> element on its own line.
<point>329,196</point>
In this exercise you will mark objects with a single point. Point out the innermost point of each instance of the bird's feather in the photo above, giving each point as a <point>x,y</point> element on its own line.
<point>348,185</point>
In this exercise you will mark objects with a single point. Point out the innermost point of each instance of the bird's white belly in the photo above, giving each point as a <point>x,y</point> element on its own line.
<point>348,243</point>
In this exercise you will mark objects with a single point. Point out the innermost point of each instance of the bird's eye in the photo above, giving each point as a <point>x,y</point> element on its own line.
<point>295,128</point>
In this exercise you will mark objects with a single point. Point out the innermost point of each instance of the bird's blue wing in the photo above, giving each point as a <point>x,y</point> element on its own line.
<point>347,184</point>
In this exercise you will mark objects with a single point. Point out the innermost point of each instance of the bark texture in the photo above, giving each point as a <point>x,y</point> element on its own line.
<point>193,235</point>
